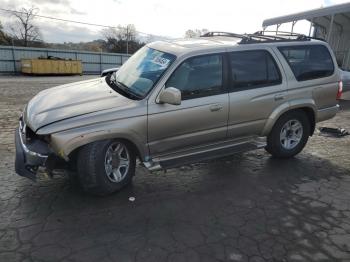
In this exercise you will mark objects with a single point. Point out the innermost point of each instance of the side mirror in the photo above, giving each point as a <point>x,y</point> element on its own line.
<point>170,95</point>
<point>109,71</point>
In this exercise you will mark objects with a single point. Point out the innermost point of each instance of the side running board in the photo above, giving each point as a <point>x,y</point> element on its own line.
<point>203,156</point>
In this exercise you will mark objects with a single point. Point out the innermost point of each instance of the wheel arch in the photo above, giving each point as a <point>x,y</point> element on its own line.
<point>67,147</point>
<point>72,155</point>
<point>307,106</point>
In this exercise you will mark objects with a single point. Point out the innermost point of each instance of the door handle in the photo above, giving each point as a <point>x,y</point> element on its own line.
<point>279,97</point>
<point>216,107</point>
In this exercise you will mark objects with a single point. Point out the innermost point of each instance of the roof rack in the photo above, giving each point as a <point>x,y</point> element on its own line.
<point>260,36</point>
<point>298,37</point>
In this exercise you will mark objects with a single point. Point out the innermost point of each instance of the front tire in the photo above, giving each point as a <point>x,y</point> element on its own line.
<point>106,166</point>
<point>289,135</point>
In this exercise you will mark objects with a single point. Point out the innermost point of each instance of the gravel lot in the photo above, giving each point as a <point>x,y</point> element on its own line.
<point>249,207</point>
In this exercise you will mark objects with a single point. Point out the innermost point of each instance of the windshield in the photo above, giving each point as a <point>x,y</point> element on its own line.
<point>141,71</point>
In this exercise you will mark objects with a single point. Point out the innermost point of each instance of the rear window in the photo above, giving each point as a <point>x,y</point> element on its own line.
<point>308,62</point>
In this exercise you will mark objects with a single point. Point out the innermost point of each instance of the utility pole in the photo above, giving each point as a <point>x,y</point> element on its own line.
<point>13,57</point>
<point>127,39</point>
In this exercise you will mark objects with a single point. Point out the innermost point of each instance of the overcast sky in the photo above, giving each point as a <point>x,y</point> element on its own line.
<point>159,17</point>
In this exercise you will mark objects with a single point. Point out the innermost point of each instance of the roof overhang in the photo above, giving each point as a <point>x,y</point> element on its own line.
<point>343,9</point>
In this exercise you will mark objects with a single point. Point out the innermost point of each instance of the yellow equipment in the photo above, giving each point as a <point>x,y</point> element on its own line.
<point>51,67</point>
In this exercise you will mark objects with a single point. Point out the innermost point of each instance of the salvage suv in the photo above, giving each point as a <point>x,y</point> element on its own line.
<point>178,102</point>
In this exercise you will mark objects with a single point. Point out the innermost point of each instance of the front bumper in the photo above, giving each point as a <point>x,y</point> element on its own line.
<point>28,161</point>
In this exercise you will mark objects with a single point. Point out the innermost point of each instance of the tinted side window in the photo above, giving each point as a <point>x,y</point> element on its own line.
<point>198,77</point>
<point>253,69</point>
<point>308,62</point>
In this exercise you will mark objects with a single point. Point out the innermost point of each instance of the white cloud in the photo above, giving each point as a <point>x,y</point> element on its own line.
<point>161,17</point>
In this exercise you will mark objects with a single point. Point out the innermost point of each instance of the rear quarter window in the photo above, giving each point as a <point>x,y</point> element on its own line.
<point>308,62</point>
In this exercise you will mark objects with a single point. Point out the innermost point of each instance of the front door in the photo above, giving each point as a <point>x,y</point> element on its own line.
<point>202,116</point>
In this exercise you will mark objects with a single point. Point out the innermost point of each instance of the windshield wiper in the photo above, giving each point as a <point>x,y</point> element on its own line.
<point>123,89</point>
<point>126,89</point>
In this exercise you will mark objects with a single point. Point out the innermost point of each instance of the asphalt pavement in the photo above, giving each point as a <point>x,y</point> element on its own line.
<point>248,207</point>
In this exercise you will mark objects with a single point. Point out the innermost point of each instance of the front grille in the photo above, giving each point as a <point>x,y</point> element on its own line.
<point>30,135</point>
<point>33,142</point>
<point>27,134</point>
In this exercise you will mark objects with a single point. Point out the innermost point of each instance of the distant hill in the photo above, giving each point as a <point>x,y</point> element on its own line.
<point>99,45</point>
<point>95,46</point>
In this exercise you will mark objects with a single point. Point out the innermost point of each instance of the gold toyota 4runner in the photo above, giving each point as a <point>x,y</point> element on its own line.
<point>178,102</point>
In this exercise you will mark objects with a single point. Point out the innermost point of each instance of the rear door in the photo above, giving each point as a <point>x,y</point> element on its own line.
<point>315,77</point>
<point>257,87</point>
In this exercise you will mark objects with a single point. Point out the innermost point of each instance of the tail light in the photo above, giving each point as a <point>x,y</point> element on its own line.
<point>340,90</point>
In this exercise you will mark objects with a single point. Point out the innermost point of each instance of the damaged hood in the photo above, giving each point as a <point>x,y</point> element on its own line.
<point>71,100</point>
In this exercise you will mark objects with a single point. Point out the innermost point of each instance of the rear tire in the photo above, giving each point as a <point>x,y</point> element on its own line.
<point>106,166</point>
<point>289,135</point>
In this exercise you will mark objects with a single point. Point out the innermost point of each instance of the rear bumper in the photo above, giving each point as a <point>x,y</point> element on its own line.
<point>27,161</point>
<point>327,113</point>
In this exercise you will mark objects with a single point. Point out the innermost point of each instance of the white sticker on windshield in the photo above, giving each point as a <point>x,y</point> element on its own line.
<point>163,62</point>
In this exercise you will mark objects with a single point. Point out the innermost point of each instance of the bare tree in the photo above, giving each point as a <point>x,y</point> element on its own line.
<point>130,34</point>
<point>121,33</point>
<point>113,38</point>
<point>24,29</point>
<point>191,33</point>
<point>121,39</point>
<point>4,38</point>
<point>112,33</point>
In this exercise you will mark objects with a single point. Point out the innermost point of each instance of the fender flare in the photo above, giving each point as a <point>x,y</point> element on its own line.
<point>68,146</point>
<point>286,107</point>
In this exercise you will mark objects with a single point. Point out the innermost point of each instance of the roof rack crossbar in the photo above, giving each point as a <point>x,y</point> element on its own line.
<point>219,33</point>
<point>267,37</point>
<point>277,33</point>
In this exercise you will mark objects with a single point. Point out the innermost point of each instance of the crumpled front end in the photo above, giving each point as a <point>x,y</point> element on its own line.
<point>31,151</point>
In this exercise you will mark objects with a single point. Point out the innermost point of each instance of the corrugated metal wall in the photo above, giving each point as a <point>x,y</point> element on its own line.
<point>339,42</point>
<point>93,62</point>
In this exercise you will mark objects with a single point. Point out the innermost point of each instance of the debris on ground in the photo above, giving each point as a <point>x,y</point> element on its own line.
<point>335,132</point>
<point>132,199</point>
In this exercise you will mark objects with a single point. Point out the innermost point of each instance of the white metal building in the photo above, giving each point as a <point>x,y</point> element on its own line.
<point>330,23</point>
